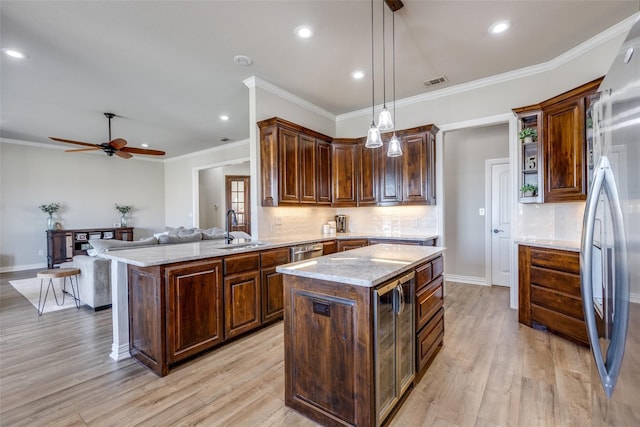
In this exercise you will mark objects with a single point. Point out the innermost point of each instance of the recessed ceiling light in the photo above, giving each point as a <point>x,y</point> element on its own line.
<point>224,117</point>
<point>243,60</point>
<point>145,145</point>
<point>14,53</point>
<point>304,31</point>
<point>499,27</point>
<point>357,75</point>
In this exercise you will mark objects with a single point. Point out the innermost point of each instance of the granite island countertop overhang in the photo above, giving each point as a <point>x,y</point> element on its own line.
<point>368,266</point>
<point>148,256</point>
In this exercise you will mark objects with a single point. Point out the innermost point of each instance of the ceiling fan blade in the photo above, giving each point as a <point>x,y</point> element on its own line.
<point>118,143</point>
<point>81,149</point>
<point>146,151</point>
<point>123,155</point>
<point>86,144</point>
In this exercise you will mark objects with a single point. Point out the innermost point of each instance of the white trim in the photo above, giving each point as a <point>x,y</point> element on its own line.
<point>11,268</point>
<point>595,41</point>
<point>488,203</point>
<point>482,281</point>
<point>227,146</point>
<point>254,81</point>
<point>634,298</point>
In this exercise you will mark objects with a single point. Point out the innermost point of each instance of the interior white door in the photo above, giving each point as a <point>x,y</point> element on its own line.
<point>500,224</point>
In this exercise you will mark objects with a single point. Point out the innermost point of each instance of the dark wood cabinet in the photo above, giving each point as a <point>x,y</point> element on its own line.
<point>330,247</point>
<point>368,175</point>
<point>390,181</point>
<point>272,296</point>
<point>324,173</point>
<point>241,303</point>
<point>291,168</point>
<point>346,245</point>
<point>63,245</point>
<point>194,302</point>
<point>557,162</point>
<point>429,312</point>
<point>549,294</point>
<point>344,158</point>
<point>418,168</point>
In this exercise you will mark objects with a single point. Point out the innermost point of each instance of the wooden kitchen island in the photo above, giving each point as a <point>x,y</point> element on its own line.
<point>360,329</point>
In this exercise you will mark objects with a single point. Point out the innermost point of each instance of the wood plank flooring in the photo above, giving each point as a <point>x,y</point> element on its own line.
<point>492,371</point>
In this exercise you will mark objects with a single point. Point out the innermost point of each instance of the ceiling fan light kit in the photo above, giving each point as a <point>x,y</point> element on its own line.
<point>114,146</point>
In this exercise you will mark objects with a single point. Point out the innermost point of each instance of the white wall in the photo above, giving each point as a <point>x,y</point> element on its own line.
<point>211,195</point>
<point>465,152</point>
<point>87,185</point>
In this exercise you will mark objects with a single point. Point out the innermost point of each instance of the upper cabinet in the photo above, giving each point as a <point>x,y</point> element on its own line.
<point>295,164</point>
<point>556,164</point>
<point>302,167</point>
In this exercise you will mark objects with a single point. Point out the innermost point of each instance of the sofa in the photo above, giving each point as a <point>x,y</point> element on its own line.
<point>94,280</point>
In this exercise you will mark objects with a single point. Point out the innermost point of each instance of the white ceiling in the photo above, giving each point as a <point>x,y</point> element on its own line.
<point>166,67</point>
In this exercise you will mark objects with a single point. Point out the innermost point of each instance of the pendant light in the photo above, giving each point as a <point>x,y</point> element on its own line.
<point>395,150</point>
<point>384,121</point>
<point>374,140</point>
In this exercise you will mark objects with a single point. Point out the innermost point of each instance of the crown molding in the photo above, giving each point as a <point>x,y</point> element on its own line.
<point>254,81</point>
<point>607,35</point>
<point>226,146</point>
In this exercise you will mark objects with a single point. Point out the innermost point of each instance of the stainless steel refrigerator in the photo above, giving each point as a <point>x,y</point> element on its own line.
<point>610,246</point>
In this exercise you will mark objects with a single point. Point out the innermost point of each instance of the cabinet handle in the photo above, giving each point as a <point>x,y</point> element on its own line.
<point>609,369</point>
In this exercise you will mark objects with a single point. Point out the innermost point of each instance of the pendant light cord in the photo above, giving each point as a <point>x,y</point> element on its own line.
<point>384,65</point>
<point>393,52</point>
<point>373,86</point>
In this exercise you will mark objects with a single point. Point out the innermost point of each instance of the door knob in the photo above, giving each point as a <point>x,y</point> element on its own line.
<point>495,230</point>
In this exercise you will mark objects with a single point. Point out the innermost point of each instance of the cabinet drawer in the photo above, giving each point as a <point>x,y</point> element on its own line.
<point>428,340</point>
<point>424,274</point>
<point>568,262</point>
<point>558,323</point>
<point>329,247</point>
<point>557,302</point>
<point>437,266</point>
<point>567,283</point>
<point>239,263</point>
<point>428,301</point>
<point>274,257</point>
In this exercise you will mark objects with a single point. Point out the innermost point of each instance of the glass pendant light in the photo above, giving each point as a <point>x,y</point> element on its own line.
<point>394,150</point>
<point>374,140</point>
<point>384,121</point>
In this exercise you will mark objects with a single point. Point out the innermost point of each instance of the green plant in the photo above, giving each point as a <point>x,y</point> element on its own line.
<point>51,208</point>
<point>529,188</point>
<point>123,209</point>
<point>528,132</point>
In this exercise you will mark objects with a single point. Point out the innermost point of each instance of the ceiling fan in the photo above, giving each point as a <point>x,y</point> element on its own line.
<point>114,146</point>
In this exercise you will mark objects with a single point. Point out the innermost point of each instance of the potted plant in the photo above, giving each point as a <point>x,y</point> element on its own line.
<point>528,135</point>
<point>124,210</point>
<point>51,208</point>
<point>529,190</point>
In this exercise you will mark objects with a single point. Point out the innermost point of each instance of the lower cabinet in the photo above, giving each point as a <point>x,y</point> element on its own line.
<point>549,294</point>
<point>429,312</point>
<point>241,303</point>
<point>271,283</point>
<point>345,245</point>
<point>330,247</point>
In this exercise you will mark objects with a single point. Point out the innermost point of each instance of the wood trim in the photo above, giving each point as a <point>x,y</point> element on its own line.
<point>282,123</point>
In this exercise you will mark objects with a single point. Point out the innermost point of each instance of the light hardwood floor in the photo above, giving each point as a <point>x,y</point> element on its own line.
<point>492,371</point>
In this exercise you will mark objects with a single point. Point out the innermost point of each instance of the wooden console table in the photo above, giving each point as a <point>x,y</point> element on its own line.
<point>63,245</point>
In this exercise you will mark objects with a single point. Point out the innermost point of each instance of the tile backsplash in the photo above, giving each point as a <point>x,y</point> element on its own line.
<point>553,221</point>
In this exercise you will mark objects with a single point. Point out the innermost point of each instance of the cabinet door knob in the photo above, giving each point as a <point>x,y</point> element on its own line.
<point>496,231</point>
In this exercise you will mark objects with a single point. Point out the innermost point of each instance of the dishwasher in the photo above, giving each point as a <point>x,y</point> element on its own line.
<point>302,252</point>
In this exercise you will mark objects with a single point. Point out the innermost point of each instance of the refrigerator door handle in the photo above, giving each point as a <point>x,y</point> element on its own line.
<point>608,369</point>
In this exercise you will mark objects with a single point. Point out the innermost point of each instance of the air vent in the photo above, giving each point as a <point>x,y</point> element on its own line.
<point>225,140</point>
<point>436,81</point>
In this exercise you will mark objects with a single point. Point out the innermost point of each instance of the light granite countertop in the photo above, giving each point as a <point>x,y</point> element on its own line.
<point>171,253</point>
<point>565,245</point>
<point>368,266</point>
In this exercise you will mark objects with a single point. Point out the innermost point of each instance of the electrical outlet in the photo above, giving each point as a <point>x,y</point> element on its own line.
<point>40,252</point>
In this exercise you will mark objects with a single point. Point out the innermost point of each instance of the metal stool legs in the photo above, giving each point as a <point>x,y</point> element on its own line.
<point>75,291</point>
<point>49,285</point>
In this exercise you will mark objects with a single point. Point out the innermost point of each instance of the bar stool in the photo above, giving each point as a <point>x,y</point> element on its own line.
<point>58,273</point>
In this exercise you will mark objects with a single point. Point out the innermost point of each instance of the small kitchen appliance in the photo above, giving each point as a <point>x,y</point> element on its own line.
<point>341,223</point>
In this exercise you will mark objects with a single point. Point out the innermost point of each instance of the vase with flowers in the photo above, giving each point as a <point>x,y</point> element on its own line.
<point>51,208</point>
<point>124,210</point>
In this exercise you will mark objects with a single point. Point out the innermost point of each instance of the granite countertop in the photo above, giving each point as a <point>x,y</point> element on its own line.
<point>566,245</point>
<point>368,266</point>
<point>170,253</point>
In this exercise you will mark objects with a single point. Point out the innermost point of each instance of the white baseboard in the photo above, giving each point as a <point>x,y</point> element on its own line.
<point>119,352</point>
<point>12,268</point>
<point>482,281</point>
<point>635,298</point>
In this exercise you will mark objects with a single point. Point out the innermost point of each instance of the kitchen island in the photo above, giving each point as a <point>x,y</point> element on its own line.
<point>358,327</point>
<point>171,302</point>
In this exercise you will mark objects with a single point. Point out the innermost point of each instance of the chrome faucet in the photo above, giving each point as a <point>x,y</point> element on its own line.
<point>234,221</point>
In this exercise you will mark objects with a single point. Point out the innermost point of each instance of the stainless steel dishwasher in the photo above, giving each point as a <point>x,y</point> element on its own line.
<point>301,252</point>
